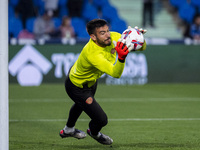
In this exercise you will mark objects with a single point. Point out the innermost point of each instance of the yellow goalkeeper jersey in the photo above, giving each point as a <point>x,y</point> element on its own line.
<point>94,61</point>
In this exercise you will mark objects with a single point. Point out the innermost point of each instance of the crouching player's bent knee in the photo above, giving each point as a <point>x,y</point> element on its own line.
<point>97,124</point>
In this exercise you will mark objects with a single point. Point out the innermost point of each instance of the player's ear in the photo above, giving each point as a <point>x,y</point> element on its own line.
<point>93,37</point>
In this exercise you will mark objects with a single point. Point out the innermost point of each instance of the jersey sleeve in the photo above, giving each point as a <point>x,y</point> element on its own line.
<point>102,64</point>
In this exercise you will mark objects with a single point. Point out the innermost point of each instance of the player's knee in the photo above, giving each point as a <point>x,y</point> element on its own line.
<point>104,121</point>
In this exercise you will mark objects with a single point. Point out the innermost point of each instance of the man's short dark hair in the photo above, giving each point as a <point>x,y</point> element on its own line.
<point>95,23</point>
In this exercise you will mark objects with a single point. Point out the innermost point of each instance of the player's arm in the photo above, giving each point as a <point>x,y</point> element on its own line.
<point>107,67</point>
<point>101,63</point>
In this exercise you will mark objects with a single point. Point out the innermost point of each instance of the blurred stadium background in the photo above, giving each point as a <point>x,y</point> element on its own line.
<point>158,103</point>
<point>167,43</point>
<point>171,17</point>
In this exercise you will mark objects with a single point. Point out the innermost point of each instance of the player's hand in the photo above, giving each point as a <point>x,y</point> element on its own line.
<point>143,31</point>
<point>121,49</point>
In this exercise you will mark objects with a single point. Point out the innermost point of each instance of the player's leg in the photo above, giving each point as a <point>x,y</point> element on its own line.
<point>74,114</point>
<point>75,111</point>
<point>98,121</point>
<point>69,130</point>
<point>84,101</point>
<point>98,116</point>
<point>144,12</point>
<point>151,19</point>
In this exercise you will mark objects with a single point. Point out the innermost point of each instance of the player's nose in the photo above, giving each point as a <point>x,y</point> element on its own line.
<point>107,34</point>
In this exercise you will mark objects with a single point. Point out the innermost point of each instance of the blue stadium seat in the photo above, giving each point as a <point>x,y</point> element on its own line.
<point>13,2</point>
<point>85,2</point>
<point>195,3</point>
<point>30,24</point>
<point>177,3</point>
<point>100,3</point>
<point>89,12</point>
<point>118,25</point>
<point>11,12</point>
<point>79,27</point>
<point>187,13</point>
<point>109,12</point>
<point>57,22</point>
<point>14,26</point>
<point>83,34</point>
<point>62,3</point>
<point>63,11</point>
<point>40,5</point>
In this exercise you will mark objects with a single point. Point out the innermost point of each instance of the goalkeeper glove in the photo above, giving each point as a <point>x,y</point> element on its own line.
<point>122,50</point>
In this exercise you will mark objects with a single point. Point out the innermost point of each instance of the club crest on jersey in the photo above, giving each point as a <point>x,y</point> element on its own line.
<point>112,50</point>
<point>89,100</point>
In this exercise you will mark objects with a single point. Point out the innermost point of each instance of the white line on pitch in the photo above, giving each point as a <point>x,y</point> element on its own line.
<point>174,99</point>
<point>122,119</point>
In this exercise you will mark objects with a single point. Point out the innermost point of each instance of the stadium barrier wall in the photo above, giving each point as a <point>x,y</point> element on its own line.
<point>32,65</point>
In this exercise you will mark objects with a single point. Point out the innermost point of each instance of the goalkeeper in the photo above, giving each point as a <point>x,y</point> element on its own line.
<point>97,57</point>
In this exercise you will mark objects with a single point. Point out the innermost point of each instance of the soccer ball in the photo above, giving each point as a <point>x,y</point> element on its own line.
<point>134,38</point>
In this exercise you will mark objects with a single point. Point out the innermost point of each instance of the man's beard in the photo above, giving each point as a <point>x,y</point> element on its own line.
<point>103,43</point>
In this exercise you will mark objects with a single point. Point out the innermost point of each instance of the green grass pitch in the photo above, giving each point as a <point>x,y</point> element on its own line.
<point>151,116</point>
